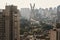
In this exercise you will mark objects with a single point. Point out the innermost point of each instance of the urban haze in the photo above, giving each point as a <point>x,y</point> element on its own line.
<point>29,19</point>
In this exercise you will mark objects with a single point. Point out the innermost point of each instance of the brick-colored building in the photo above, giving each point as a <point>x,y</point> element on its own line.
<point>11,23</point>
<point>53,34</point>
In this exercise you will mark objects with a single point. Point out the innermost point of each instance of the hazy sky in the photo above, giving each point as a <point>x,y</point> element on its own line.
<point>25,3</point>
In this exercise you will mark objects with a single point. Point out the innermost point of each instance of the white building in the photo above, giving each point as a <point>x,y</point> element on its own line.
<point>25,12</point>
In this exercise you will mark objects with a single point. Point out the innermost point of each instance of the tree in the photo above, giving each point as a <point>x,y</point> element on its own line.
<point>24,25</point>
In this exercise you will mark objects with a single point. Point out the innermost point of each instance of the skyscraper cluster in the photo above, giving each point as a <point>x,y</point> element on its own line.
<point>46,15</point>
<point>10,21</point>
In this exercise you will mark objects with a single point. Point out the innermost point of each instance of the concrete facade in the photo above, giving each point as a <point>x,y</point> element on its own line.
<point>2,27</point>
<point>53,35</point>
<point>11,20</point>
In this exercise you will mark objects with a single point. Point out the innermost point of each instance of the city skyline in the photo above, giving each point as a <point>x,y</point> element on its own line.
<point>26,3</point>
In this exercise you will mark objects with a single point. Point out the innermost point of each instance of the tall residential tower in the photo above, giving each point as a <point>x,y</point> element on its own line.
<point>10,18</point>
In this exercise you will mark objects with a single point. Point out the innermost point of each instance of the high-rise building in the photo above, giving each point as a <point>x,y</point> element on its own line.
<point>10,23</point>
<point>37,15</point>
<point>58,13</point>
<point>2,26</point>
<point>55,33</point>
<point>41,11</point>
<point>58,23</point>
<point>25,12</point>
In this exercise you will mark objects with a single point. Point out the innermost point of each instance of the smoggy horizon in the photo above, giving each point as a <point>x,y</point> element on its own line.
<point>26,3</point>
